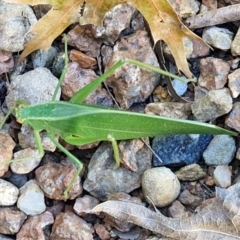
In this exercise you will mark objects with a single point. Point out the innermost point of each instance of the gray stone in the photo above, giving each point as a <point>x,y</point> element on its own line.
<point>104,178</point>
<point>15,22</point>
<point>220,151</point>
<point>220,38</point>
<point>214,104</point>
<point>161,186</point>
<point>179,150</point>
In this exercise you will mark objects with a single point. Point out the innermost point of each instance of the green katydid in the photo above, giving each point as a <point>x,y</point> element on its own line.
<point>80,124</point>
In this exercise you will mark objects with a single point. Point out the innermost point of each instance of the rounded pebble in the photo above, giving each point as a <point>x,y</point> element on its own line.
<point>161,186</point>
<point>220,151</point>
<point>222,176</point>
<point>8,192</point>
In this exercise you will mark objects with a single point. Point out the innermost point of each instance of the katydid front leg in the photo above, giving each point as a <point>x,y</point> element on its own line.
<point>73,159</point>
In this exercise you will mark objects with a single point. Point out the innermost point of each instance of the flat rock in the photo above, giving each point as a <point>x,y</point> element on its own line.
<point>160,185</point>
<point>169,109</point>
<point>8,192</point>
<point>220,151</point>
<point>190,172</point>
<point>213,73</point>
<point>220,38</point>
<point>214,104</point>
<point>104,178</point>
<point>179,150</point>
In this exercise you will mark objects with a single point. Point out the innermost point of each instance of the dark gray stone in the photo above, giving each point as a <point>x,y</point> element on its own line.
<point>179,150</point>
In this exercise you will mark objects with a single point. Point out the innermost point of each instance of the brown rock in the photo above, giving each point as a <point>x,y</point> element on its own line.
<point>6,151</point>
<point>76,78</point>
<point>11,220</point>
<point>83,60</point>
<point>101,231</point>
<point>213,73</point>
<point>189,199</point>
<point>33,227</point>
<point>84,204</point>
<point>234,83</point>
<point>82,38</point>
<point>54,178</point>
<point>70,226</point>
<point>132,84</point>
<point>169,109</point>
<point>177,210</point>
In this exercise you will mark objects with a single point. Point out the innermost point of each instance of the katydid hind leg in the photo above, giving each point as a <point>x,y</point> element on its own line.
<point>76,161</point>
<point>115,149</point>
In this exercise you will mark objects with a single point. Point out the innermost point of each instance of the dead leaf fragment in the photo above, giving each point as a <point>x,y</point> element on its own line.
<point>219,220</point>
<point>162,19</point>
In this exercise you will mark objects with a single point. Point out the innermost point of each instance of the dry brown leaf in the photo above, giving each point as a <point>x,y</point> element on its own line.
<point>220,220</point>
<point>162,19</point>
<point>49,27</point>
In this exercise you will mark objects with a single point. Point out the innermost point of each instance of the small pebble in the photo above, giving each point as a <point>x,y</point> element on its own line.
<point>8,192</point>
<point>179,87</point>
<point>177,210</point>
<point>189,199</point>
<point>214,104</point>
<point>160,185</point>
<point>220,38</point>
<point>84,204</point>
<point>190,172</point>
<point>222,176</point>
<point>234,83</point>
<point>220,151</point>
<point>31,200</point>
<point>235,46</point>
<point>213,73</point>
<point>26,166</point>
<point>233,118</point>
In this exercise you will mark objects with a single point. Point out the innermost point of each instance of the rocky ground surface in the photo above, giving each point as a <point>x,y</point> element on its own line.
<point>178,179</point>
